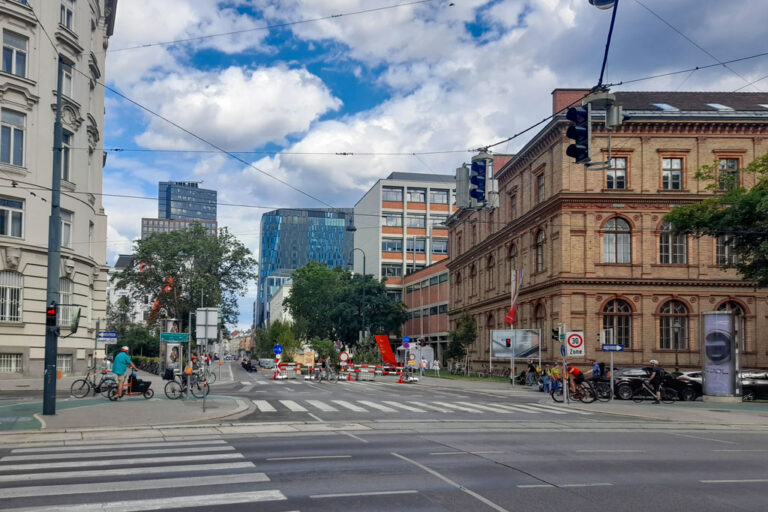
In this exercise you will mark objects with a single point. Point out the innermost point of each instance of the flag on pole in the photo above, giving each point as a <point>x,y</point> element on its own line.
<point>517,279</point>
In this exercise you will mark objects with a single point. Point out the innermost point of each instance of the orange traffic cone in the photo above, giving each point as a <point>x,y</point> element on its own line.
<point>274,375</point>
<point>400,380</point>
<point>349,376</point>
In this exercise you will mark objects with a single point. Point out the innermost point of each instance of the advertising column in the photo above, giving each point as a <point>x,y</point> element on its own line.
<point>719,356</point>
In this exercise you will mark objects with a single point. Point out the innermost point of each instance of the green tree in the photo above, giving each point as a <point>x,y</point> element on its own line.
<point>313,292</point>
<point>462,337</point>
<point>138,339</point>
<point>325,348</point>
<point>277,333</point>
<point>739,214</point>
<point>177,267</point>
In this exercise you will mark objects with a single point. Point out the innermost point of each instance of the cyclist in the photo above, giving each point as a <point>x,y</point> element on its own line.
<point>575,378</point>
<point>656,378</point>
<point>120,368</point>
<point>595,372</point>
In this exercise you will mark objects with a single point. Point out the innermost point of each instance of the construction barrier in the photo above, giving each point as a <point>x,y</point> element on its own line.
<point>287,371</point>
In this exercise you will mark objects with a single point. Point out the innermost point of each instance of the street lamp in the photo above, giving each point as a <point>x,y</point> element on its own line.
<point>676,331</point>
<point>362,315</point>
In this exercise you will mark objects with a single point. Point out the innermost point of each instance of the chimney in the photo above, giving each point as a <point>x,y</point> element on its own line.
<point>561,98</point>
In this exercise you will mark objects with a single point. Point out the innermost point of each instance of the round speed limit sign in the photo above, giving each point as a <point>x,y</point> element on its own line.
<point>575,343</point>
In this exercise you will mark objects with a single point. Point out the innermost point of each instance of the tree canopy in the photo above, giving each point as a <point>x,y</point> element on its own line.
<point>177,267</point>
<point>463,336</point>
<point>736,213</point>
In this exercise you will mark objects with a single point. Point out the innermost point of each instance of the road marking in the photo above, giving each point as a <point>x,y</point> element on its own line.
<point>245,388</point>
<point>563,410</point>
<point>432,407</point>
<point>403,406</point>
<point>610,451</point>
<point>538,486</point>
<point>459,407</point>
<point>745,481</point>
<point>534,486</point>
<point>703,438</point>
<point>311,457</point>
<point>163,503</point>
<point>738,450</point>
<point>486,407</point>
<point>263,406</point>
<point>288,389</point>
<point>293,406</point>
<point>149,460</point>
<point>321,405</point>
<point>247,383</point>
<point>468,453</point>
<point>353,494</point>
<point>451,482</point>
<point>120,453</point>
<point>374,405</point>
<point>351,407</point>
<point>130,485</point>
<point>28,477</point>
<point>126,446</point>
<point>353,436</point>
<point>515,408</point>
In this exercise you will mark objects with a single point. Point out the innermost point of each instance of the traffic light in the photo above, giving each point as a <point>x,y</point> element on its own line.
<point>508,342</point>
<point>477,183</point>
<point>580,131</point>
<point>51,315</point>
<point>556,334</point>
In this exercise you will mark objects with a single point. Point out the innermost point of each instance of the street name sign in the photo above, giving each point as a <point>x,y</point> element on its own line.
<point>107,337</point>
<point>177,337</point>
<point>612,347</point>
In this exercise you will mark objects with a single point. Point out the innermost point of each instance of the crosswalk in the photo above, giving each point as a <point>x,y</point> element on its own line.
<point>98,477</point>
<point>397,407</point>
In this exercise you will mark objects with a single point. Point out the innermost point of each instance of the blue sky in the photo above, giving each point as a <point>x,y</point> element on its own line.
<point>426,77</point>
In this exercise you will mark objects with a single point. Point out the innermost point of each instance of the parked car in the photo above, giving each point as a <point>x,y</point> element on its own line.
<point>267,363</point>
<point>694,376</point>
<point>628,380</point>
<point>754,385</point>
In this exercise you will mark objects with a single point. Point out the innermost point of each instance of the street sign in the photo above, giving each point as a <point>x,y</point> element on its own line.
<point>412,357</point>
<point>278,349</point>
<point>412,363</point>
<point>406,344</point>
<point>342,363</point>
<point>107,337</point>
<point>574,343</point>
<point>406,339</point>
<point>612,347</point>
<point>178,337</point>
<point>344,357</point>
<point>562,350</point>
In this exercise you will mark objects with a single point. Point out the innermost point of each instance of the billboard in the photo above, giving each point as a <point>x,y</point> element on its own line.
<point>719,354</point>
<point>515,343</point>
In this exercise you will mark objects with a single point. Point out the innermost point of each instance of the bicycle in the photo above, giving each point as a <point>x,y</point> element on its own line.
<point>602,389</point>
<point>177,387</point>
<point>585,393</point>
<point>133,387</point>
<point>668,395</point>
<point>82,387</point>
<point>207,374</point>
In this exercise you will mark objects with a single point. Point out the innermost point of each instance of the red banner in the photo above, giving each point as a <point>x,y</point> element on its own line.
<point>385,349</point>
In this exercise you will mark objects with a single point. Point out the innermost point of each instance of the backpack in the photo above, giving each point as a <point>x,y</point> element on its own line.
<point>660,374</point>
<point>168,375</point>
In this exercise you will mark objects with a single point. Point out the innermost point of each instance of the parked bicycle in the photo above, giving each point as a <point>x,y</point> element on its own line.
<point>82,387</point>
<point>177,387</point>
<point>134,387</point>
<point>207,374</point>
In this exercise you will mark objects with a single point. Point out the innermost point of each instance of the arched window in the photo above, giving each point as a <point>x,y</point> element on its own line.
<point>673,326</point>
<point>512,256</point>
<point>11,285</point>
<point>491,271</point>
<point>472,279</point>
<point>617,316</point>
<point>673,247</point>
<point>541,316</point>
<point>617,239</point>
<point>489,322</point>
<point>540,238</point>
<point>739,322</point>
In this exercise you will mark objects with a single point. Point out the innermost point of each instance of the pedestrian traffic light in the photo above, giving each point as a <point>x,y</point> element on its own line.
<point>477,184</point>
<point>508,342</point>
<point>51,315</point>
<point>556,334</point>
<point>580,131</point>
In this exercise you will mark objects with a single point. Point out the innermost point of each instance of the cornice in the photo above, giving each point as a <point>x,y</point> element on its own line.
<point>19,12</point>
<point>613,282</point>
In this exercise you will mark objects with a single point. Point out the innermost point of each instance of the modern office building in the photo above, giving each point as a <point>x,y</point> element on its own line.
<point>595,251</point>
<point>28,82</point>
<point>291,238</point>
<point>426,300</point>
<point>152,226</point>
<point>185,200</point>
<point>400,225</point>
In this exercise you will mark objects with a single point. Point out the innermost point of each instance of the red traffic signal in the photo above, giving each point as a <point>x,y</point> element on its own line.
<point>51,314</point>
<point>508,342</point>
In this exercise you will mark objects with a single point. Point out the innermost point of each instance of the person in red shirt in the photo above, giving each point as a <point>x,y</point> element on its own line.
<point>575,378</point>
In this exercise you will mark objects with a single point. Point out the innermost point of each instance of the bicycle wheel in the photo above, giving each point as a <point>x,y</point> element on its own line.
<point>643,394</point>
<point>668,395</point>
<point>603,390</point>
<point>80,388</point>
<point>105,386</point>
<point>113,394</point>
<point>587,392</point>
<point>173,390</point>
<point>557,394</point>
<point>199,389</point>
<point>149,394</point>
<point>211,376</point>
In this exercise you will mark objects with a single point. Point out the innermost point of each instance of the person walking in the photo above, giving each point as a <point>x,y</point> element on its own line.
<point>423,366</point>
<point>657,377</point>
<point>120,368</point>
<point>436,367</point>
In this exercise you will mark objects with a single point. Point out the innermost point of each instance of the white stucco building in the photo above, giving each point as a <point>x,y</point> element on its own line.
<point>276,309</point>
<point>79,30</point>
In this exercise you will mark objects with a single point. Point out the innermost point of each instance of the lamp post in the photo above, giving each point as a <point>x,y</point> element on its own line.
<point>351,229</point>
<point>676,331</point>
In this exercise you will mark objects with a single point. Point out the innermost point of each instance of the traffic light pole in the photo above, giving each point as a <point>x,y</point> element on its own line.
<point>54,258</point>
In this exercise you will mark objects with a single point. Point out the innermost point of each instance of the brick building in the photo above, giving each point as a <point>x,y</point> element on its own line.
<point>426,300</point>
<point>592,245</point>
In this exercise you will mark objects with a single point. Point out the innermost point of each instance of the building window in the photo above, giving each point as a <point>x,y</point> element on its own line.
<point>392,245</point>
<point>616,175</point>
<point>67,13</point>
<point>617,316</point>
<point>417,221</point>
<point>491,271</point>
<point>11,363</point>
<point>66,228</point>
<point>540,238</point>
<point>392,194</point>
<point>725,255</point>
<point>433,311</point>
<point>442,308</point>
<point>472,279</point>
<point>437,220</point>
<point>65,291</point>
<point>440,246</point>
<point>673,247</point>
<point>672,173</point>
<point>417,195</point>
<point>420,244</point>
<point>728,174</point>
<point>617,239</point>
<point>66,80</point>
<point>513,206</point>
<point>443,278</point>
<point>391,270</point>
<point>392,219</point>
<point>12,137</point>
<point>432,281</point>
<point>539,191</point>
<point>512,257</point>
<point>11,285</point>
<point>438,196</point>
<point>14,54</point>
<point>541,317</point>
<point>11,217</point>
<point>673,326</point>
<point>66,145</point>
<point>64,363</point>
<point>739,322</point>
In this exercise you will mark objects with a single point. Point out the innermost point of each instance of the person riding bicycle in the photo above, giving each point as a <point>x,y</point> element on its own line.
<point>657,377</point>
<point>595,373</point>
<point>120,368</point>
<point>575,378</point>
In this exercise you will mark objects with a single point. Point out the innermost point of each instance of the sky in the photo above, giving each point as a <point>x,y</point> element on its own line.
<point>300,81</point>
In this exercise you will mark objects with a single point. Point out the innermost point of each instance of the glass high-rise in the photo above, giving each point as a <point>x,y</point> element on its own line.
<point>185,200</point>
<point>291,238</point>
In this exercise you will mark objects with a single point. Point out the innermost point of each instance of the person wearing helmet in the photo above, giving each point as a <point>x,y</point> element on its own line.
<point>657,376</point>
<point>120,368</point>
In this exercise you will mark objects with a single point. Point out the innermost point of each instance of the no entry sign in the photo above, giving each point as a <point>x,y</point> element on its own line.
<point>574,343</point>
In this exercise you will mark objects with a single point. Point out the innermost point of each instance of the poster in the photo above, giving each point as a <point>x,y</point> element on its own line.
<point>172,356</point>
<point>515,343</point>
<point>718,354</point>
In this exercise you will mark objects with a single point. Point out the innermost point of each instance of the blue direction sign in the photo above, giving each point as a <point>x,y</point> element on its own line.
<point>278,349</point>
<point>612,347</point>
<point>406,339</point>
<point>107,337</point>
<point>562,350</point>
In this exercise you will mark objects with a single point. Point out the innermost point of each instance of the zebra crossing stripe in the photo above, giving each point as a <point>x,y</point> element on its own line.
<point>130,485</point>
<point>101,463</point>
<point>322,405</point>
<point>163,503</point>
<point>263,406</point>
<point>246,383</point>
<point>533,408</point>
<point>486,408</point>
<point>374,405</point>
<point>459,407</point>
<point>516,408</point>
<point>431,407</point>
<point>347,405</point>
<point>127,446</point>
<point>403,406</point>
<point>563,410</point>
<point>293,406</point>
<point>119,453</point>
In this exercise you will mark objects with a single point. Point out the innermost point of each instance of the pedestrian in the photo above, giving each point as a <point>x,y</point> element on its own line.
<point>120,367</point>
<point>436,367</point>
<point>547,377</point>
<point>423,366</point>
<point>531,375</point>
<point>657,377</point>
